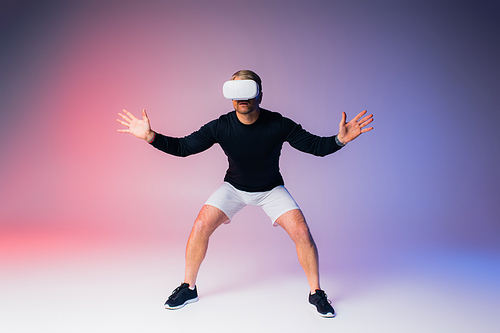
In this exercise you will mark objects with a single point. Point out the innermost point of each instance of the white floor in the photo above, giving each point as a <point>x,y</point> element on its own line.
<point>125,292</point>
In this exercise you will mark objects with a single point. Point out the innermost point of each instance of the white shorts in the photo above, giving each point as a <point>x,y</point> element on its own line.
<point>230,200</point>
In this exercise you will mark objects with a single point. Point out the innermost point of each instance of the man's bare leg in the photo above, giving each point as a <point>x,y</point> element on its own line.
<point>205,224</point>
<point>295,225</point>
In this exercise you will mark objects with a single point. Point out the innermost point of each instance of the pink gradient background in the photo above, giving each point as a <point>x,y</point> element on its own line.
<point>425,180</point>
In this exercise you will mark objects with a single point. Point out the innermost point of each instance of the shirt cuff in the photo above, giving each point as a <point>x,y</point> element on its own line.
<point>153,139</point>
<point>337,141</point>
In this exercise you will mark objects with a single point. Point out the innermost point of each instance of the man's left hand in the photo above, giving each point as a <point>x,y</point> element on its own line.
<point>351,130</point>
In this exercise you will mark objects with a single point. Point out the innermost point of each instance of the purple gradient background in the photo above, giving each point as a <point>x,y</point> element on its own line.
<point>426,178</point>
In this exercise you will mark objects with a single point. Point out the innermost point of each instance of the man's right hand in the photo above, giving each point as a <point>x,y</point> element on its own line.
<point>138,128</point>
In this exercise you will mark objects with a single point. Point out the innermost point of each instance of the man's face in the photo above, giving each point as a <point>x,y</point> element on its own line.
<point>247,106</point>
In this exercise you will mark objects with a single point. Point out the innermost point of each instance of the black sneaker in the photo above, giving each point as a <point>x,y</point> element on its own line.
<point>181,296</point>
<point>322,304</point>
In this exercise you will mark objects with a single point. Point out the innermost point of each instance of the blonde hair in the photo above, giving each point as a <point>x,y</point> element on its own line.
<point>246,74</point>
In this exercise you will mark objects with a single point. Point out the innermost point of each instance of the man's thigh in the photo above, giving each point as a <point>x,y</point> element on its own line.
<point>294,224</point>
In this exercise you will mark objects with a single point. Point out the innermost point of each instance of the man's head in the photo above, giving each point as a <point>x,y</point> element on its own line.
<point>250,105</point>
<point>246,74</point>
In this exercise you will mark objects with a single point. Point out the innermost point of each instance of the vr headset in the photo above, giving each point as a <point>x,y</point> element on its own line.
<point>240,90</point>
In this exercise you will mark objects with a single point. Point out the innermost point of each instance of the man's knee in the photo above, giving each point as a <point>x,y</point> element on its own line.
<point>208,220</point>
<point>302,234</point>
<point>295,224</point>
<point>200,225</point>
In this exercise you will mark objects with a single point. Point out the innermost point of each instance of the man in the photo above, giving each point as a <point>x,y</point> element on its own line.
<point>252,139</point>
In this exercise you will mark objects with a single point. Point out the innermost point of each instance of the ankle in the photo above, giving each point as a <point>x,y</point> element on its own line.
<point>191,285</point>
<point>313,290</point>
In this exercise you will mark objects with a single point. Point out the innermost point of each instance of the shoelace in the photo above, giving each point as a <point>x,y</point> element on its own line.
<point>324,297</point>
<point>175,292</point>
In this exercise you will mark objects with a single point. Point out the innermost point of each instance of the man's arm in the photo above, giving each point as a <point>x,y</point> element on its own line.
<point>306,142</point>
<point>194,143</point>
<point>321,146</point>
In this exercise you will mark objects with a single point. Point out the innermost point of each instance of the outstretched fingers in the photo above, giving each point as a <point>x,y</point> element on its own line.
<point>131,116</point>
<point>364,130</point>
<point>125,117</point>
<point>125,123</point>
<point>366,120</point>
<point>123,130</point>
<point>359,115</point>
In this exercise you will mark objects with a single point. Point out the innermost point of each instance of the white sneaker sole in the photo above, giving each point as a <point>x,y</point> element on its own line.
<point>192,300</point>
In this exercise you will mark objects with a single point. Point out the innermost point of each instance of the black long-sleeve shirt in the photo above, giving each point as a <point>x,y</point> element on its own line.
<point>253,151</point>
